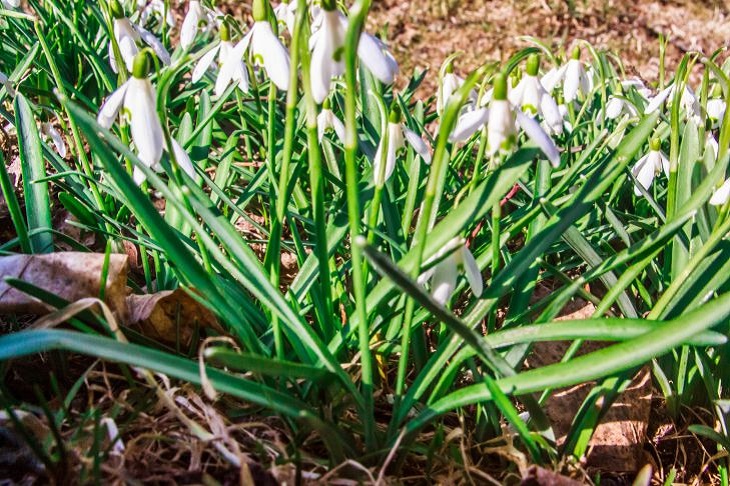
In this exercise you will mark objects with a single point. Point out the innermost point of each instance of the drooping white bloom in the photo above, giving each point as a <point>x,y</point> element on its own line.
<point>266,50</point>
<point>148,9</point>
<point>397,135</point>
<point>137,100</point>
<point>688,101</point>
<point>285,14</point>
<point>639,85</point>
<point>532,97</point>
<point>573,75</point>
<point>233,69</point>
<point>128,37</point>
<point>444,274</point>
<point>721,195</point>
<point>470,121</point>
<point>52,133</point>
<point>648,166</point>
<point>450,83</point>
<point>328,120</point>
<point>716,111</point>
<point>327,44</point>
<point>11,4</point>
<point>198,17</point>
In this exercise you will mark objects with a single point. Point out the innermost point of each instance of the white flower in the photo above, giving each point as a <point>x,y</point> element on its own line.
<point>450,83</point>
<point>11,4</point>
<point>285,14</point>
<point>444,274</point>
<point>397,135</point>
<point>711,144</point>
<point>267,51</point>
<point>233,68</point>
<point>128,36</point>
<point>532,97</point>
<point>721,195</point>
<point>688,101</point>
<point>470,120</point>
<point>716,111</point>
<point>55,136</point>
<point>648,166</point>
<point>326,120</point>
<point>574,77</point>
<point>137,97</point>
<point>327,45</point>
<point>154,9</point>
<point>637,84</point>
<point>197,16</point>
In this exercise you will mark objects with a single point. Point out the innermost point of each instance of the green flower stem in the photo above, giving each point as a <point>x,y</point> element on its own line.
<point>273,257</point>
<point>358,13</point>
<point>317,181</point>
<point>85,165</point>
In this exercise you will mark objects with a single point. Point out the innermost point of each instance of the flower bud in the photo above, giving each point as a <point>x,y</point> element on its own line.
<point>141,67</point>
<point>500,87</point>
<point>116,9</point>
<point>533,65</point>
<point>576,53</point>
<point>225,32</point>
<point>395,114</point>
<point>260,10</point>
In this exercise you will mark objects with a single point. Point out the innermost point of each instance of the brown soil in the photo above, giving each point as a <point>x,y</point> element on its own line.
<point>423,34</point>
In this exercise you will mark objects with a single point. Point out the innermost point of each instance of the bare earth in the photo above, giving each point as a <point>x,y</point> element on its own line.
<point>422,34</point>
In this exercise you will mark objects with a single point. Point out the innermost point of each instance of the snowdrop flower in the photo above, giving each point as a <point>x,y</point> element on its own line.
<point>688,101</point>
<point>197,16</point>
<point>450,83</point>
<point>285,14</point>
<point>265,48</point>
<point>575,79</point>
<point>637,84</point>
<point>154,8</point>
<point>396,136</point>
<point>618,105</point>
<point>721,195</point>
<point>504,120</point>
<point>137,100</point>
<point>715,111</point>
<point>649,165</point>
<point>11,4</point>
<point>327,45</point>
<point>532,97</point>
<point>444,274</point>
<point>128,36</point>
<point>328,120</point>
<point>233,68</point>
<point>55,136</point>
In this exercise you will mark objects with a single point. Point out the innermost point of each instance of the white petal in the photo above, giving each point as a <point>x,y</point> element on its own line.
<point>468,124</point>
<point>138,176</point>
<point>371,55</point>
<point>275,57</point>
<point>110,108</point>
<point>418,144</point>
<point>321,70</point>
<point>232,64</point>
<point>663,164</point>
<point>473,274</point>
<point>338,127</point>
<point>551,113</point>
<point>721,196</point>
<point>657,100</point>
<point>644,172</point>
<point>155,44</point>
<point>715,109</point>
<point>517,93</point>
<point>443,282</point>
<point>552,78</point>
<point>56,138</point>
<point>614,107</point>
<point>190,25</point>
<point>573,81</point>
<point>128,48</point>
<point>500,126</point>
<point>144,121</point>
<point>204,63</point>
<point>535,132</point>
<point>183,159</point>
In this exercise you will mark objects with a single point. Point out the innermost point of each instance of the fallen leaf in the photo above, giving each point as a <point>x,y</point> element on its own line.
<point>170,316</point>
<point>69,275</point>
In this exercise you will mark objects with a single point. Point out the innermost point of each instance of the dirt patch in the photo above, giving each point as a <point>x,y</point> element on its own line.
<point>423,34</point>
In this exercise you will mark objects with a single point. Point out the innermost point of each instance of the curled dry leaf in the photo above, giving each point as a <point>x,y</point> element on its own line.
<point>69,275</point>
<point>170,316</point>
